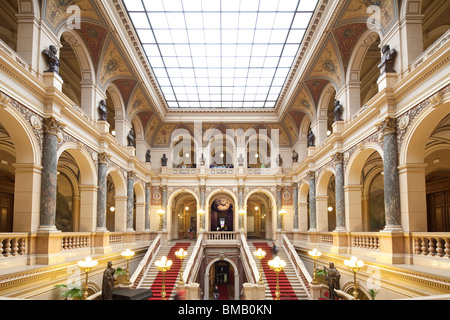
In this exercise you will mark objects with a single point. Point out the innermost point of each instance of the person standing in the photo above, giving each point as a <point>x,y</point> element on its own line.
<point>216,293</point>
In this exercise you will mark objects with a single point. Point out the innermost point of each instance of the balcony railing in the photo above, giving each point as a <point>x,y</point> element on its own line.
<point>432,244</point>
<point>221,236</point>
<point>13,244</point>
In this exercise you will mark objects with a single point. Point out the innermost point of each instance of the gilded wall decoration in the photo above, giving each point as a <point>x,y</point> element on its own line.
<point>113,65</point>
<point>283,136</point>
<point>94,36</point>
<point>361,10</point>
<point>328,65</point>
<point>346,37</point>
<point>304,102</point>
<point>286,196</point>
<point>145,117</point>
<point>56,11</point>
<point>163,135</point>
<point>297,117</point>
<point>150,130</point>
<point>126,87</point>
<point>291,128</point>
<point>138,103</point>
<point>156,195</point>
<point>316,88</point>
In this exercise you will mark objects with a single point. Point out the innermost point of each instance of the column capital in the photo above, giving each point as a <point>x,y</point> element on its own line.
<point>310,175</point>
<point>103,157</point>
<point>131,175</point>
<point>52,126</point>
<point>338,158</point>
<point>388,126</point>
<point>148,185</point>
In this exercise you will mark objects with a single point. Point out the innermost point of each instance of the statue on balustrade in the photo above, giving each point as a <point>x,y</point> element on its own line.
<point>131,138</point>
<point>311,139</point>
<point>387,60</point>
<point>164,160</point>
<point>102,110</point>
<point>241,160</point>
<point>294,156</point>
<point>148,156</point>
<point>202,160</point>
<point>52,59</point>
<point>338,111</point>
<point>333,277</point>
<point>108,282</point>
<point>279,161</point>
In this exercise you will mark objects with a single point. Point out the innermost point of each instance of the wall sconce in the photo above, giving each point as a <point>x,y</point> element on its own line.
<point>282,214</point>
<point>112,209</point>
<point>241,214</point>
<point>201,212</point>
<point>330,208</point>
<point>160,213</point>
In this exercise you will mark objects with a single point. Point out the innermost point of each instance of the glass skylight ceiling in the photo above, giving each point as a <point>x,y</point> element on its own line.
<point>221,53</point>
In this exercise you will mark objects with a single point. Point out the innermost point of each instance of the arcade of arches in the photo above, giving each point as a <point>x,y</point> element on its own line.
<point>356,152</point>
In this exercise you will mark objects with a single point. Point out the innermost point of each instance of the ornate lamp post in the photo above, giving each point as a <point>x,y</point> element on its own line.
<point>163,265</point>
<point>260,254</point>
<point>160,213</point>
<point>241,214</point>
<point>201,212</point>
<point>282,214</point>
<point>277,265</point>
<point>354,265</point>
<point>315,254</point>
<point>87,265</point>
<point>181,254</point>
<point>128,254</point>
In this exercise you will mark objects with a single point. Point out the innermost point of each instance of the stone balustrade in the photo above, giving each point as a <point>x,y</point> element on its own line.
<point>432,244</point>
<point>13,244</point>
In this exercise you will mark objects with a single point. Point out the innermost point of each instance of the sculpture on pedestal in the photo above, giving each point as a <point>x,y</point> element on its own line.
<point>337,111</point>
<point>311,139</point>
<point>148,156</point>
<point>164,160</point>
<point>294,156</point>
<point>388,60</point>
<point>52,59</point>
<point>130,138</point>
<point>102,110</point>
<point>333,277</point>
<point>108,282</point>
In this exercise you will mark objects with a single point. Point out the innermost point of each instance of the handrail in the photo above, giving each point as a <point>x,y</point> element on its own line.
<point>250,265</point>
<point>142,267</point>
<point>298,264</point>
<point>194,261</point>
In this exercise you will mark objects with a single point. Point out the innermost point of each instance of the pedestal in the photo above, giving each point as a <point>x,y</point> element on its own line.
<point>130,150</point>
<point>103,126</point>
<point>53,80</point>
<point>311,151</point>
<point>338,126</point>
<point>386,80</point>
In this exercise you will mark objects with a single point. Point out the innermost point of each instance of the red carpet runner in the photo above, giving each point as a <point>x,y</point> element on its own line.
<point>171,276</point>
<point>287,293</point>
<point>223,291</point>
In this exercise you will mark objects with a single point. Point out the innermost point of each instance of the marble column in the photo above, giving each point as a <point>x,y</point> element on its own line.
<point>279,206</point>
<point>202,204</point>
<point>241,205</point>
<point>164,206</point>
<point>130,200</point>
<point>49,178</point>
<point>391,175</point>
<point>339,191</point>
<point>295,188</point>
<point>102,191</point>
<point>311,177</point>
<point>147,206</point>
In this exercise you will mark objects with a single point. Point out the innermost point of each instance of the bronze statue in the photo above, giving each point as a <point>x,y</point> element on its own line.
<point>388,59</point>
<point>130,138</point>
<point>311,139</point>
<point>333,277</point>
<point>148,156</point>
<point>102,110</point>
<point>279,161</point>
<point>164,160</point>
<point>241,160</point>
<point>52,59</point>
<point>202,160</point>
<point>294,156</point>
<point>108,282</point>
<point>338,111</point>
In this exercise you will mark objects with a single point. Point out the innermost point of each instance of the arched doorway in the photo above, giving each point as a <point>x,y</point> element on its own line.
<point>222,213</point>
<point>184,216</point>
<point>7,180</point>
<point>259,215</point>
<point>222,279</point>
<point>67,194</point>
<point>437,177</point>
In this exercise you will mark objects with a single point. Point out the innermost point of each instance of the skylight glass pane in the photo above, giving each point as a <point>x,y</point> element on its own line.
<point>221,54</point>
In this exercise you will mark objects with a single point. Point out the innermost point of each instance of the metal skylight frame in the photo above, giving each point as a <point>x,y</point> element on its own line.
<point>221,53</point>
